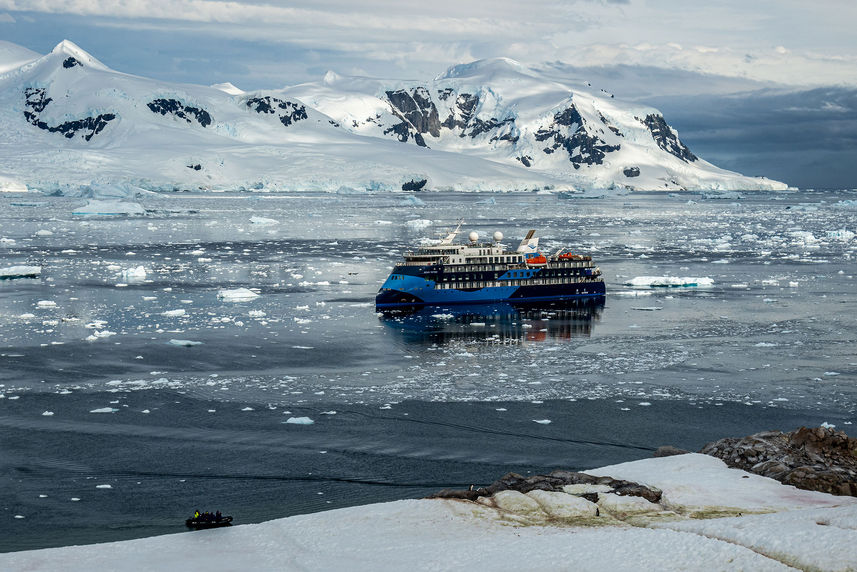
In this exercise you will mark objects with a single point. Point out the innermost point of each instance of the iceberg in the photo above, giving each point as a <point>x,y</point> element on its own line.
<point>236,295</point>
<point>670,281</point>
<point>22,271</point>
<point>109,207</point>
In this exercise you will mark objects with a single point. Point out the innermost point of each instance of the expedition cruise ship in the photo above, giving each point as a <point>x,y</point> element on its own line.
<point>473,273</point>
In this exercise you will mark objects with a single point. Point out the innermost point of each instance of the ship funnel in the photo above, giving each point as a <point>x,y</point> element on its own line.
<point>530,243</point>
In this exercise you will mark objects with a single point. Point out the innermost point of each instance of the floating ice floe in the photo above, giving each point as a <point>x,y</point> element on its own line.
<point>134,274</point>
<point>97,335</point>
<point>263,221</point>
<point>418,224</point>
<point>109,207</point>
<point>236,295</point>
<point>841,234</point>
<point>184,343</point>
<point>299,421</point>
<point>46,304</point>
<point>104,410</point>
<point>22,271</point>
<point>414,201</point>
<point>670,282</point>
<point>174,313</point>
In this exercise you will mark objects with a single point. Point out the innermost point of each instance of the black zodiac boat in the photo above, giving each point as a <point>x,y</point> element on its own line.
<point>211,522</point>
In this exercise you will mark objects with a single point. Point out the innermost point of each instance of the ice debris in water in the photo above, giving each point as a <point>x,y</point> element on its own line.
<point>670,281</point>
<point>236,294</point>
<point>184,343</point>
<point>299,421</point>
<point>104,410</point>
<point>20,271</point>
<point>136,273</point>
<point>418,224</point>
<point>263,221</point>
<point>99,207</point>
<point>542,421</point>
<point>174,313</point>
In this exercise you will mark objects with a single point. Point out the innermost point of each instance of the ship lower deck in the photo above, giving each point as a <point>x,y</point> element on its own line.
<point>413,296</point>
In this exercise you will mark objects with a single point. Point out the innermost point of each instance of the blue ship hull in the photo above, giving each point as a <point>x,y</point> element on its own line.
<point>403,291</point>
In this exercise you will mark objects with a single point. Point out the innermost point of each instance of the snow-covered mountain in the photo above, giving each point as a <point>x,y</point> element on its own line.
<point>488,125</point>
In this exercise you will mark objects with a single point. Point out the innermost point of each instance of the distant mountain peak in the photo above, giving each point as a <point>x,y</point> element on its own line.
<point>228,87</point>
<point>74,53</point>
<point>489,66</point>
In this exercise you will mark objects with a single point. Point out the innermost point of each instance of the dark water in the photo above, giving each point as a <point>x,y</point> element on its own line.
<point>163,465</point>
<point>176,398</point>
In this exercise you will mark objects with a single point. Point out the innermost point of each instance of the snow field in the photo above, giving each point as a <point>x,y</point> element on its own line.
<point>516,531</point>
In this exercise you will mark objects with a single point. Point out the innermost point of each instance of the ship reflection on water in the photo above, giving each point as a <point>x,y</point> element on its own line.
<point>500,323</point>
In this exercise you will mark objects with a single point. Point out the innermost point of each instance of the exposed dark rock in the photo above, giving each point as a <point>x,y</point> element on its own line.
<point>195,167</point>
<point>666,138</point>
<point>582,148</point>
<point>443,94</point>
<point>417,109</point>
<point>669,451</point>
<point>332,122</point>
<point>553,482</point>
<point>177,109</point>
<point>289,112</point>
<point>525,160</point>
<point>817,459</point>
<point>414,185</point>
<point>400,130</point>
<point>36,101</point>
<point>631,171</point>
<point>70,62</point>
<point>465,104</point>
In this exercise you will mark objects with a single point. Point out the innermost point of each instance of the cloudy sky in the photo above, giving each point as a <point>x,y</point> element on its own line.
<point>763,87</point>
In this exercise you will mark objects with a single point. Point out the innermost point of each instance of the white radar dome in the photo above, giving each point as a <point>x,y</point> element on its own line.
<point>498,236</point>
<point>473,236</point>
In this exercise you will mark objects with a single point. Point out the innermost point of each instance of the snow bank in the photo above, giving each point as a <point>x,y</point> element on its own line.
<point>670,281</point>
<point>816,531</point>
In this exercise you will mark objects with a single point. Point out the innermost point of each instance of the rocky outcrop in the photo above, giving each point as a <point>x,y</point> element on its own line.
<point>414,185</point>
<point>70,62</point>
<point>36,100</point>
<point>568,131</point>
<point>178,109</point>
<point>817,459</point>
<point>557,481</point>
<point>666,138</point>
<point>287,111</point>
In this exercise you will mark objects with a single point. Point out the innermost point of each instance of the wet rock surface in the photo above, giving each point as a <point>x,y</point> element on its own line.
<point>817,459</point>
<point>557,481</point>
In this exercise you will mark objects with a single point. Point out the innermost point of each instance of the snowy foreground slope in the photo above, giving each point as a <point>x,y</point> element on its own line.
<point>489,125</point>
<point>777,528</point>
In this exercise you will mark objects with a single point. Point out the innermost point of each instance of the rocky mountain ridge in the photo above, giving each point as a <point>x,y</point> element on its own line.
<point>488,125</point>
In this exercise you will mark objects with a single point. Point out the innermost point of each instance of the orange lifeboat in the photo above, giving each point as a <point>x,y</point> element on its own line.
<point>537,260</point>
<point>569,256</point>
